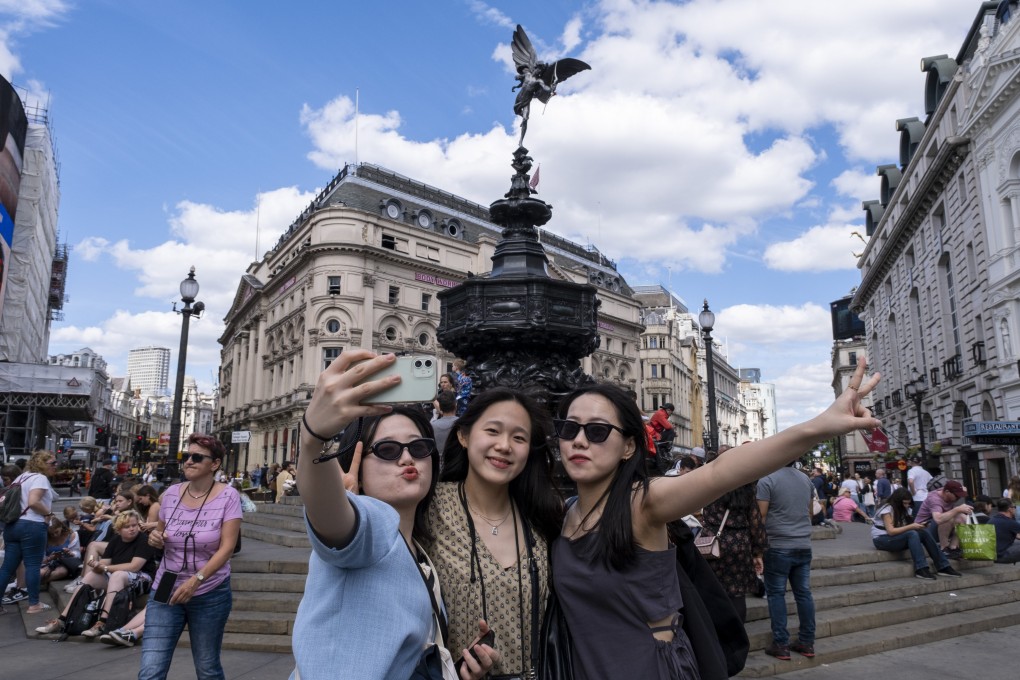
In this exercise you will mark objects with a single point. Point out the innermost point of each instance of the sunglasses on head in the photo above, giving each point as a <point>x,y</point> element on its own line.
<point>390,449</point>
<point>596,433</point>
<point>197,457</point>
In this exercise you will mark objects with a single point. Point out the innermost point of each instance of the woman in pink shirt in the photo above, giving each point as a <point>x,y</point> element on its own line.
<point>844,508</point>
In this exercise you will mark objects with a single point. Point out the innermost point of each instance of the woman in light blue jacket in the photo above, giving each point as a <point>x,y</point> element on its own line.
<point>372,606</point>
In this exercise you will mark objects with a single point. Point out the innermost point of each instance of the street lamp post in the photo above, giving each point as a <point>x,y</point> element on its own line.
<point>189,290</point>
<point>707,320</point>
<point>915,391</point>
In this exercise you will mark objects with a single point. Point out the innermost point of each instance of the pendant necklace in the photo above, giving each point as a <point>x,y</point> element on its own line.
<point>495,527</point>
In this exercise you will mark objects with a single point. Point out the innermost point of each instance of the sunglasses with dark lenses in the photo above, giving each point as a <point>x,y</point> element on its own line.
<point>596,433</point>
<point>197,457</point>
<point>390,449</point>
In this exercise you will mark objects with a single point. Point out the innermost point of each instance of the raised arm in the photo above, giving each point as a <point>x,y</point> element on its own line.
<point>670,498</point>
<point>335,404</point>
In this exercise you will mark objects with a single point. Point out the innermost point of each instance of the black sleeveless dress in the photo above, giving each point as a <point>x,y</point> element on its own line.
<point>608,613</point>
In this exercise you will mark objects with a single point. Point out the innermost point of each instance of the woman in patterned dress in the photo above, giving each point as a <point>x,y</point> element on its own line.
<point>496,493</point>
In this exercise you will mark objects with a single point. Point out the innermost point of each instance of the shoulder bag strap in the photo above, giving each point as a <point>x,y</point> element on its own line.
<point>437,612</point>
<point>726,515</point>
<point>533,571</point>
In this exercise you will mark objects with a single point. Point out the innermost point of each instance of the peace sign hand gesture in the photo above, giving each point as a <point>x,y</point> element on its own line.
<point>847,413</point>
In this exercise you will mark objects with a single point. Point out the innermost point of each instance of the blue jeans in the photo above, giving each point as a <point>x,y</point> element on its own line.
<point>917,542</point>
<point>206,616</point>
<point>793,565</point>
<point>25,541</point>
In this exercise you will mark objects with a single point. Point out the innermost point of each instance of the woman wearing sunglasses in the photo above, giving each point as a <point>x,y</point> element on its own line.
<point>615,571</point>
<point>199,522</point>
<point>372,607</point>
<point>494,516</point>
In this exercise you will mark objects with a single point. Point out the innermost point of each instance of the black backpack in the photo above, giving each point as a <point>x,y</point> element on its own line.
<point>121,609</point>
<point>83,611</point>
<point>10,504</point>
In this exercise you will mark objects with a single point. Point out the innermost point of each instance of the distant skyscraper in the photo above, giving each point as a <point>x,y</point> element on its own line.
<point>148,368</point>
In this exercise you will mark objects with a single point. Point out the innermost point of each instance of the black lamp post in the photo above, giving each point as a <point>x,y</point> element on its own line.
<point>915,391</point>
<point>189,290</point>
<point>707,320</point>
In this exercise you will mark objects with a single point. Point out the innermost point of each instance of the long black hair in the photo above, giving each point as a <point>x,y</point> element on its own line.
<point>900,515</point>
<point>532,490</point>
<point>364,431</point>
<point>615,536</point>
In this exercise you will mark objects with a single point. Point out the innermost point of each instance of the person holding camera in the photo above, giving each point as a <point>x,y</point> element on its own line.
<point>372,603</point>
<point>199,525</point>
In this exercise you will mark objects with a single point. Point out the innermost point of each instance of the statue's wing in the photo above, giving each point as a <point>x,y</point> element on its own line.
<point>525,56</point>
<point>559,71</point>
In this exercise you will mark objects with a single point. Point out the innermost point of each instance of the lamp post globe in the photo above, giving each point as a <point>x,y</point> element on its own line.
<point>707,321</point>
<point>189,291</point>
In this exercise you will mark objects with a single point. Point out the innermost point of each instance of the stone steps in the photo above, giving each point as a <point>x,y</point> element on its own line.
<point>284,537</point>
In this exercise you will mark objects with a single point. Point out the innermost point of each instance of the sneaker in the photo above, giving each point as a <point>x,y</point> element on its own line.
<point>18,595</point>
<point>781,652</point>
<point>124,638</point>
<point>95,631</point>
<point>52,626</point>
<point>72,586</point>
<point>949,571</point>
<point>803,649</point>
<point>924,574</point>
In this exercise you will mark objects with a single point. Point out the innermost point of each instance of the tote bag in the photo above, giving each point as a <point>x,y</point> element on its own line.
<point>977,541</point>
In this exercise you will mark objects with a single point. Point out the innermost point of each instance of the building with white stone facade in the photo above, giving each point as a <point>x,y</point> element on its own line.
<point>361,267</point>
<point>149,369</point>
<point>940,275</point>
<point>759,400</point>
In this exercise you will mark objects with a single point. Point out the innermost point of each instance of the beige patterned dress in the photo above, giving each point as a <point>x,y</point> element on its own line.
<point>504,588</point>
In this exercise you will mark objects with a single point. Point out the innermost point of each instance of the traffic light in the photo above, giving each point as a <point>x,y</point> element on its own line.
<point>139,443</point>
<point>101,436</point>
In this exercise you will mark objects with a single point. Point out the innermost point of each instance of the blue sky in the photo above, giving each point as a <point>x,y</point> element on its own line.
<point>720,147</point>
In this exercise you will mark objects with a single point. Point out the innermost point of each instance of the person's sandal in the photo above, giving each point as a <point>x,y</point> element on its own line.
<point>38,608</point>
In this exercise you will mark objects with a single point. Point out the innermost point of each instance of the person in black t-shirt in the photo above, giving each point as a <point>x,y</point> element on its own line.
<point>128,562</point>
<point>101,486</point>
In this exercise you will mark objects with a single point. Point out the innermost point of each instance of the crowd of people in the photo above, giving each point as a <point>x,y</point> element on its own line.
<point>454,507</point>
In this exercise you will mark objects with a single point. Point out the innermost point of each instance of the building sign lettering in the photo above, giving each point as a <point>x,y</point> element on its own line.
<point>435,280</point>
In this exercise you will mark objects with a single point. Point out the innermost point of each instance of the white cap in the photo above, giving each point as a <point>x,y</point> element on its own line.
<point>698,452</point>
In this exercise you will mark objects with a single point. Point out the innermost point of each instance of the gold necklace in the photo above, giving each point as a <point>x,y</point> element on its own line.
<point>495,527</point>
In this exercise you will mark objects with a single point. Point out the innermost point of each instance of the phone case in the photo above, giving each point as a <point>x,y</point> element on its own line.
<point>165,588</point>
<point>417,381</point>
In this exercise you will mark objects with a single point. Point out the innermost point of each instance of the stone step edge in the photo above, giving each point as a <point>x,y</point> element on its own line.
<point>918,608</point>
<point>249,642</point>
<point>829,597</point>
<point>884,639</point>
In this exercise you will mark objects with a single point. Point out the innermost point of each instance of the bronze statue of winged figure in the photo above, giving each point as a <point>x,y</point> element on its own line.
<point>536,79</point>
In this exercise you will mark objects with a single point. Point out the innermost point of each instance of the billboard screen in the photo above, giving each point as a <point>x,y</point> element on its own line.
<point>13,130</point>
<point>845,324</point>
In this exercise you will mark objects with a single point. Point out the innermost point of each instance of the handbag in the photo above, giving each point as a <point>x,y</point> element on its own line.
<point>707,543</point>
<point>71,563</point>
<point>977,541</point>
<point>557,649</point>
<point>816,504</point>
<point>869,498</point>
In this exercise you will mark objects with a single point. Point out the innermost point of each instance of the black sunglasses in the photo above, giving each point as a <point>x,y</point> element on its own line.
<point>390,449</point>
<point>197,457</point>
<point>596,433</point>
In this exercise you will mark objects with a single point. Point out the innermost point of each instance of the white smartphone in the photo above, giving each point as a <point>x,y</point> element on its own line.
<point>417,381</point>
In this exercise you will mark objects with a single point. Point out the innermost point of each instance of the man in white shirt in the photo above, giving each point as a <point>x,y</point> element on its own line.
<point>918,478</point>
<point>855,489</point>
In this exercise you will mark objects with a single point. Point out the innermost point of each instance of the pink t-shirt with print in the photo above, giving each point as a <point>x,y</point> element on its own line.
<point>208,525</point>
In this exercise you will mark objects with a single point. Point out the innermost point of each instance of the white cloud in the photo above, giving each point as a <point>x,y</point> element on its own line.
<point>857,184</point>
<point>19,18</point>
<point>487,14</point>
<point>819,249</point>
<point>90,248</point>
<point>775,324</point>
<point>804,391</point>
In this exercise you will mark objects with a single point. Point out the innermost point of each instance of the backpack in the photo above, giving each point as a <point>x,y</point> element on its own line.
<point>936,483</point>
<point>10,504</point>
<point>83,612</point>
<point>121,609</point>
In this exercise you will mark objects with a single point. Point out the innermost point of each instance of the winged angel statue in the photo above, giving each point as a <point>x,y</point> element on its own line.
<point>536,79</point>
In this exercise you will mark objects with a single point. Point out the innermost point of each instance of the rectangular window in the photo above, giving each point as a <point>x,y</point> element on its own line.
<point>609,344</point>
<point>391,242</point>
<point>852,358</point>
<point>333,285</point>
<point>329,354</point>
<point>662,371</point>
<point>655,402</point>
<point>427,252</point>
<point>653,342</point>
<point>426,300</point>
<point>623,349</point>
<point>394,295</point>
<point>655,370</point>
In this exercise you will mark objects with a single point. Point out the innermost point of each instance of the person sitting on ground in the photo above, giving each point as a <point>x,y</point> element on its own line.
<point>844,508</point>
<point>1007,550</point>
<point>982,507</point>
<point>103,523</point>
<point>938,505</point>
<point>128,562</point>
<point>894,530</point>
<point>63,552</point>
<point>147,505</point>
<point>128,634</point>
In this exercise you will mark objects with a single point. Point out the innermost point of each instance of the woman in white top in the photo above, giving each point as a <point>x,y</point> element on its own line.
<point>25,538</point>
